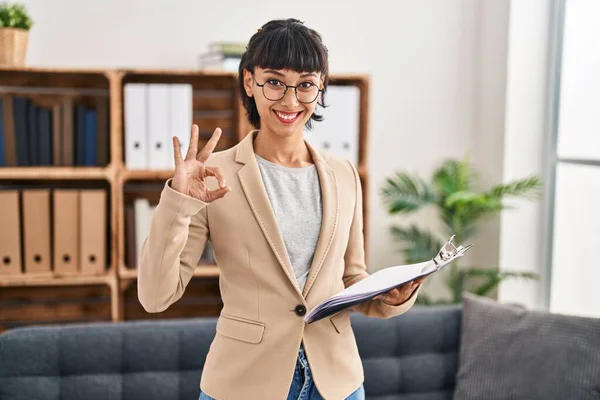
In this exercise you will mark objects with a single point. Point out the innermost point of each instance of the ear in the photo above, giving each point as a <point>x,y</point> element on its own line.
<point>248,82</point>
<point>319,99</point>
<point>321,87</point>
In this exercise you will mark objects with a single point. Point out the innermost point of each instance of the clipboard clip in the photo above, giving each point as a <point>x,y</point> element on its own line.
<point>449,252</point>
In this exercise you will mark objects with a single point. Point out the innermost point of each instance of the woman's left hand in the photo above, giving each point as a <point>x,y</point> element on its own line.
<point>399,295</point>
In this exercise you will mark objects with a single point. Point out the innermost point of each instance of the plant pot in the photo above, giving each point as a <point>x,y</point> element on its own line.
<point>13,46</point>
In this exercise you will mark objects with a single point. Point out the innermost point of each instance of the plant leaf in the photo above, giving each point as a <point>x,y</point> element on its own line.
<point>14,16</point>
<point>426,300</point>
<point>459,222</point>
<point>461,197</point>
<point>454,176</point>
<point>458,203</point>
<point>528,187</point>
<point>418,246</point>
<point>406,193</point>
<point>474,202</point>
<point>492,278</point>
<point>463,209</point>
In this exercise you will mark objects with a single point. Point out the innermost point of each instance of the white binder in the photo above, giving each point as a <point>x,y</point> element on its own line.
<point>136,140</point>
<point>338,132</point>
<point>181,118</point>
<point>160,153</point>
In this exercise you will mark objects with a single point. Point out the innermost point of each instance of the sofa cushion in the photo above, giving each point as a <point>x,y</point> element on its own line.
<point>412,356</point>
<point>509,352</point>
<point>105,361</point>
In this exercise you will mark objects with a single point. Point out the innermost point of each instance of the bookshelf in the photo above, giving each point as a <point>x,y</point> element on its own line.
<point>52,297</point>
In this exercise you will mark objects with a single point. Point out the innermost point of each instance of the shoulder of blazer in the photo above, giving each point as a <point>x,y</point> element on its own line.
<point>343,168</point>
<point>222,158</point>
<point>346,174</point>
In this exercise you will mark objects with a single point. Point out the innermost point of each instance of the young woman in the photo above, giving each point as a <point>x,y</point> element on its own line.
<point>286,224</point>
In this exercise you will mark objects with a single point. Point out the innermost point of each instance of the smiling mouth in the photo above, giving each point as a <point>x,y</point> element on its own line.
<point>287,117</point>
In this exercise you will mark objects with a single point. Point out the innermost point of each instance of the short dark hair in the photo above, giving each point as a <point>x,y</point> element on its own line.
<point>284,44</point>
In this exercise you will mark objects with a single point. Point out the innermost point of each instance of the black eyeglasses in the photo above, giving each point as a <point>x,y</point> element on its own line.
<point>274,89</point>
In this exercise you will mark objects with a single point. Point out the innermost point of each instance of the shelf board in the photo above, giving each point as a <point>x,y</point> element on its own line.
<point>347,79</point>
<point>53,280</point>
<point>362,171</point>
<point>42,80</point>
<point>179,72</point>
<point>56,91</point>
<point>205,79</point>
<point>207,271</point>
<point>203,271</point>
<point>34,69</point>
<point>147,174</point>
<point>37,173</point>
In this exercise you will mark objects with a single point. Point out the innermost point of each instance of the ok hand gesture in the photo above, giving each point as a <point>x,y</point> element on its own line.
<point>191,172</point>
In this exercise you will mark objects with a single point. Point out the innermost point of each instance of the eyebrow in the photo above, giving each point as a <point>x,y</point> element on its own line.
<point>272,71</point>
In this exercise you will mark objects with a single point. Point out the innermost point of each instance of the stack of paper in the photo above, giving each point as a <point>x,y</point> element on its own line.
<point>384,280</point>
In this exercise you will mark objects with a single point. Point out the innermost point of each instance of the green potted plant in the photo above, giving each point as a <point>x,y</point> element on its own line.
<point>15,24</point>
<point>453,192</point>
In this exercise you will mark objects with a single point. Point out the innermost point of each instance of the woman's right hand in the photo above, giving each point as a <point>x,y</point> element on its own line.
<point>191,172</point>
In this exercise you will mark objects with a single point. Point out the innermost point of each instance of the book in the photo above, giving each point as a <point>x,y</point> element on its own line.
<point>385,280</point>
<point>222,55</point>
<point>48,130</point>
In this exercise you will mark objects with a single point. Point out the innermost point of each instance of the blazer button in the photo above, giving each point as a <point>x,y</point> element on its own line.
<point>300,310</point>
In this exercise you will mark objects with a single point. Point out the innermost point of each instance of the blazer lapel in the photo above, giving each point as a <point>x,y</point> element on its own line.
<point>329,197</point>
<point>252,184</point>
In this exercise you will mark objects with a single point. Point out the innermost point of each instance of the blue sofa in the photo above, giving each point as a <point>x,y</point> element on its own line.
<point>411,357</point>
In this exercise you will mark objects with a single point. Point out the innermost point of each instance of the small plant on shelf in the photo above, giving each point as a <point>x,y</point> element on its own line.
<point>15,23</point>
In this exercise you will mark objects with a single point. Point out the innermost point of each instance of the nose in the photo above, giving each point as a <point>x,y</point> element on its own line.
<point>289,98</point>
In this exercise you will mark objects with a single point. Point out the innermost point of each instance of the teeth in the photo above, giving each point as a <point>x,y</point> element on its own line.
<point>286,116</point>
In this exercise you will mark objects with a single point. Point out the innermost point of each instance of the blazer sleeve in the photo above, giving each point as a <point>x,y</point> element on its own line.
<point>355,268</point>
<point>172,250</point>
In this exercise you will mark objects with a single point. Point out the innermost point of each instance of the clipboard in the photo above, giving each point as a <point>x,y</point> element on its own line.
<point>385,280</point>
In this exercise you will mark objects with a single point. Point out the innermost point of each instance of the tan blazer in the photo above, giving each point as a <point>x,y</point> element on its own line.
<point>260,328</point>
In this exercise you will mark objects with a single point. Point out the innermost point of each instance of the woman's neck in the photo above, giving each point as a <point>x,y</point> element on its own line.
<point>287,151</point>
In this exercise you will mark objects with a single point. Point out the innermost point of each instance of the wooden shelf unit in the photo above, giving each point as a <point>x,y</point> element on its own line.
<point>53,173</point>
<point>119,277</point>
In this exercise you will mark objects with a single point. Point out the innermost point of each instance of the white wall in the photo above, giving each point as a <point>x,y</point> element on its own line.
<point>448,77</point>
<point>509,139</point>
<point>421,56</point>
<point>489,115</point>
<point>524,145</point>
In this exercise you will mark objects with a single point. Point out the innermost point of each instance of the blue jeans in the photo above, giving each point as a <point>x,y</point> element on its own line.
<point>303,387</point>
